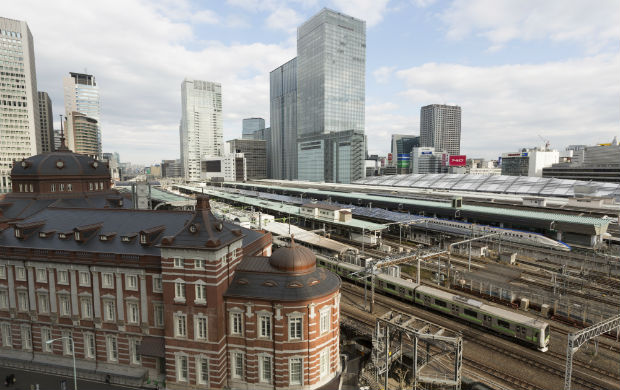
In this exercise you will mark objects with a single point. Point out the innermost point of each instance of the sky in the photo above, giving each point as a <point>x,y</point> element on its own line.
<point>523,71</point>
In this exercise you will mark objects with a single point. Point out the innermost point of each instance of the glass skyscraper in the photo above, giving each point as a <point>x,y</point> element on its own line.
<point>201,127</point>
<point>283,121</point>
<point>82,96</point>
<point>331,67</point>
<point>250,126</point>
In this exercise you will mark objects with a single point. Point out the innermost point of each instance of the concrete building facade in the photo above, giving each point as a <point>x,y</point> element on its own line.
<point>440,128</point>
<point>81,94</point>
<point>229,167</point>
<point>597,163</point>
<point>83,134</point>
<point>255,153</point>
<point>201,130</point>
<point>46,122</point>
<point>20,133</point>
<point>427,160</point>
<point>528,162</point>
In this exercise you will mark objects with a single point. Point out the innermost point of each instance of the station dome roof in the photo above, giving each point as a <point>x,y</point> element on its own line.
<point>60,163</point>
<point>295,258</point>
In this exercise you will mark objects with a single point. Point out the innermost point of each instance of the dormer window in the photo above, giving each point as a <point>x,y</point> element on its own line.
<point>77,236</point>
<point>128,237</point>
<point>106,236</point>
<point>62,236</point>
<point>148,236</point>
<point>18,233</point>
<point>143,239</point>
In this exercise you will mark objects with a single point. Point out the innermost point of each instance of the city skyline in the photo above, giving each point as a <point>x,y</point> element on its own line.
<point>514,79</point>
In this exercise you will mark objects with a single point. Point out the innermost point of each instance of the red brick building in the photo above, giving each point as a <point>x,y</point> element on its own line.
<point>147,296</point>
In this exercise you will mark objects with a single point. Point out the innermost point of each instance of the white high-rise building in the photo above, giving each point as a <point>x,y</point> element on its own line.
<point>440,128</point>
<point>201,124</point>
<point>82,95</point>
<point>20,134</point>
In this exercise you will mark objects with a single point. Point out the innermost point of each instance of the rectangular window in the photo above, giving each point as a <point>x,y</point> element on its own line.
<point>7,340</point>
<point>86,306</point>
<point>109,311</point>
<point>133,313</point>
<point>69,187</point>
<point>26,338</point>
<point>67,343</point>
<point>503,324</point>
<point>179,291</point>
<point>182,369</point>
<point>236,324</point>
<point>441,303</point>
<point>41,275</point>
<point>43,302</point>
<point>22,301</point>
<point>178,262</point>
<point>295,371</point>
<point>63,277</point>
<point>2,272</point>
<point>131,282</point>
<point>294,328</point>
<point>4,299</point>
<point>157,285</point>
<point>134,344</point>
<point>112,348</point>
<point>325,320</point>
<point>265,367</point>
<point>84,278</point>
<point>203,371</point>
<point>158,315</point>
<point>470,313</point>
<point>324,362</point>
<point>201,293</point>
<point>201,328</point>
<point>199,263</point>
<point>265,326</point>
<point>107,280</point>
<point>89,345</point>
<point>46,335</point>
<point>20,273</point>
<point>64,305</point>
<point>237,365</point>
<point>180,325</point>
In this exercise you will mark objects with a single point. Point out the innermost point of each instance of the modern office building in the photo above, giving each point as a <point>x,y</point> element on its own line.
<point>402,145</point>
<point>428,160</point>
<point>20,133</point>
<point>228,167</point>
<point>331,69</point>
<point>440,128</point>
<point>337,157</point>
<point>201,124</point>
<point>250,126</point>
<point>596,163</point>
<point>255,153</point>
<point>528,162</point>
<point>81,94</point>
<point>46,122</point>
<point>283,121</point>
<point>171,168</point>
<point>265,135</point>
<point>83,134</point>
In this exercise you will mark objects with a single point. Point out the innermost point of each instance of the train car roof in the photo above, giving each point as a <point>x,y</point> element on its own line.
<point>399,281</point>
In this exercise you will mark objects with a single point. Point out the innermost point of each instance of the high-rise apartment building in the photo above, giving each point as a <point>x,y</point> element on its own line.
<point>331,68</point>
<point>20,134</point>
<point>251,126</point>
<point>201,124</point>
<point>82,95</point>
<point>440,128</point>
<point>46,123</point>
<point>283,121</point>
<point>83,134</point>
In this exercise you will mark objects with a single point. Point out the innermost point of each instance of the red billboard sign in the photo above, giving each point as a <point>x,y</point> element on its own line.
<point>458,161</point>
<point>389,156</point>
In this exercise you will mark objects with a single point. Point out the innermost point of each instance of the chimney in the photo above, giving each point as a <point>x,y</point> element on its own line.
<point>202,203</point>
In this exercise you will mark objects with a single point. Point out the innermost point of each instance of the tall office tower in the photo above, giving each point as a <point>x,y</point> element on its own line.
<point>82,95</point>
<point>402,145</point>
<point>201,124</point>
<point>251,126</point>
<point>20,134</point>
<point>283,121</point>
<point>46,123</point>
<point>331,68</point>
<point>440,128</point>
<point>83,134</point>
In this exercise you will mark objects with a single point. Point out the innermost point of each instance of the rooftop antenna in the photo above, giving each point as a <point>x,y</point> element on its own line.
<point>63,145</point>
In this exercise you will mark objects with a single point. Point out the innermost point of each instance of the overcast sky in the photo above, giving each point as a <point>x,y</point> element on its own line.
<point>518,69</point>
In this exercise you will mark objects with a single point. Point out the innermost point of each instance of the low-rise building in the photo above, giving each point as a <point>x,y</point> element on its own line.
<point>326,211</point>
<point>528,162</point>
<point>428,160</point>
<point>597,163</point>
<point>230,167</point>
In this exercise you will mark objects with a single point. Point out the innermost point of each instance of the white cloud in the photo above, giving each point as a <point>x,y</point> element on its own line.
<point>506,107</point>
<point>139,57</point>
<point>383,74</point>
<point>284,19</point>
<point>384,119</point>
<point>371,11</point>
<point>594,25</point>
<point>423,3</point>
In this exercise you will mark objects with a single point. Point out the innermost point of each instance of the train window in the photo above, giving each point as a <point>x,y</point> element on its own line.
<point>470,313</point>
<point>417,295</point>
<point>321,262</point>
<point>523,330</point>
<point>518,329</point>
<point>536,334</point>
<point>441,303</point>
<point>390,286</point>
<point>410,292</point>
<point>503,324</point>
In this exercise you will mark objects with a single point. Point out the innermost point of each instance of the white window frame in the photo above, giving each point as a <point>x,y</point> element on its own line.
<point>111,344</point>
<point>86,307</point>
<point>64,279</point>
<point>105,283</point>
<point>133,313</point>
<point>109,310</point>
<point>325,320</point>
<point>20,274</point>
<point>180,325</point>
<point>41,275</point>
<point>158,315</point>
<point>2,272</point>
<point>64,305</point>
<point>265,332</point>
<point>182,368</point>
<point>131,282</point>
<point>22,301</point>
<point>67,343</point>
<point>7,337</point>
<point>43,303</point>
<point>200,263</point>
<point>201,327</point>
<point>262,360</point>
<point>324,362</point>
<point>26,335</point>
<point>236,323</point>
<point>90,346</point>
<point>84,277</point>
<point>157,283</point>
<point>296,319</point>
<point>46,335</point>
<point>135,357</point>
<point>178,262</point>
<point>238,365</point>
<point>4,299</point>
<point>179,292</point>
<point>202,374</point>
<point>294,380</point>
<point>201,293</point>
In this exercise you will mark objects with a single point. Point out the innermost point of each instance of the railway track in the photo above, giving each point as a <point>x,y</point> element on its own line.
<point>554,365</point>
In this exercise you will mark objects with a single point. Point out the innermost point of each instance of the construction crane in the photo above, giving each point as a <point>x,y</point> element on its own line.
<point>547,143</point>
